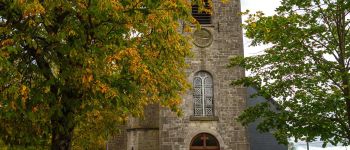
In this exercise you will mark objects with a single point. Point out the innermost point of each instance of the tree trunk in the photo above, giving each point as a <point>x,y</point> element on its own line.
<point>341,31</point>
<point>62,133</point>
<point>61,141</point>
<point>62,129</point>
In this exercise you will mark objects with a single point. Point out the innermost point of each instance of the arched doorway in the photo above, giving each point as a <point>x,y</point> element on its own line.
<point>204,141</point>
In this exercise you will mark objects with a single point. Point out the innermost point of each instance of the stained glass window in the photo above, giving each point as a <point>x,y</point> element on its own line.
<point>203,94</point>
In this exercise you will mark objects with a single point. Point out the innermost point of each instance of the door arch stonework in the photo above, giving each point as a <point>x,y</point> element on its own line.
<point>193,132</point>
<point>204,141</point>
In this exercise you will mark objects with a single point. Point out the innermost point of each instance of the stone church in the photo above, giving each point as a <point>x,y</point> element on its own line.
<point>210,108</point>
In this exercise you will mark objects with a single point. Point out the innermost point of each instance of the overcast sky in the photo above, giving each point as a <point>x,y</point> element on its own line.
<point>268,7</point>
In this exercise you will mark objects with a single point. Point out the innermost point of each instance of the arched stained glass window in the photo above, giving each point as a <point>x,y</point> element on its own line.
<point>203,94</point>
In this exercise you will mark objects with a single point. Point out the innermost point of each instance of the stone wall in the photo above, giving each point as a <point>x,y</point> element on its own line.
<point>150,119</point>
<point>119,141</point>
<point>139,133</point>
<point>143,133</point>
<point>143,139</point>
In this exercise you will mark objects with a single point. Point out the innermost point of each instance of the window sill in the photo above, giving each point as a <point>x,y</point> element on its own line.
<point>204,25</point>
<point>204,118</point>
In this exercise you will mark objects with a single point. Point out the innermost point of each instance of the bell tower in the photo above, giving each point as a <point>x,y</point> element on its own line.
<point>211,106</point>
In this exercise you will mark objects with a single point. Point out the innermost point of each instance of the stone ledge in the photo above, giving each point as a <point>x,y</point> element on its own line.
<point>141,128</point>
<point>204,118</point>
<point>203,25</point>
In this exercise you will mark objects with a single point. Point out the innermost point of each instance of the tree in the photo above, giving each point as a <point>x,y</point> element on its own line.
<point>70,71</point>
<point>305,70</point>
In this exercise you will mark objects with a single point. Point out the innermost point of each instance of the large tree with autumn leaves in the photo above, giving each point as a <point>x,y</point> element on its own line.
<point>70,71</point>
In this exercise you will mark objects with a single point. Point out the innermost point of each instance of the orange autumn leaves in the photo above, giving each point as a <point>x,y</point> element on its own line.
<point>151,82</point>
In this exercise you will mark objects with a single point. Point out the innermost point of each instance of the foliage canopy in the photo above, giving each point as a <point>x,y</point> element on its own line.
<point>70,71</point>
<point>306,70</point>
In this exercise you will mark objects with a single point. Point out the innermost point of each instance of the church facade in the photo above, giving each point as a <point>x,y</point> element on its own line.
<point>210,108</point>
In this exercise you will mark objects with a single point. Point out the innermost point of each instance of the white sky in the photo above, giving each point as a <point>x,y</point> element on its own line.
<point>268,7</point>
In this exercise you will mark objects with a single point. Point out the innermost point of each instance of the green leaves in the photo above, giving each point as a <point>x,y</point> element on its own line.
<point>306,70</point>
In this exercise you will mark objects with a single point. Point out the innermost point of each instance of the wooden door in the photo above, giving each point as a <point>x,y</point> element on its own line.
<point>204,141</point>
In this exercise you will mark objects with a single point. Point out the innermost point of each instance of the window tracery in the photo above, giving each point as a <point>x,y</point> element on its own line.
<point>203,94</point>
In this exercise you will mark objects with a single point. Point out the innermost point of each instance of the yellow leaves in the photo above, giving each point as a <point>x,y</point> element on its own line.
<point>129,25</point>
<point>31,23</point>
<point>225,1</point>
<point>132,55</point>
<point>33,9</point>
<point>72,33</point>
<point>94,115</point>
<point>87,79</point>
<point>151,54</point>
<point>116,5</point>
<point>81,4</point>
<point>20,2</point>
<point>46,89</point>
<point>6,42</point>
<point>4,54</point>
<point>95,127</point>
<point>175,102</point>
<point>122,118</point>
<point>35,109</point>
<point>187,29</point>
<point>253,25</point>
<point>13,105</point>
<point>135,59</point>
<point>151,16</point>
<point>104,88</point>
<point>268,30</point>
<point>145,75</point>
<point>24,92</point>
<point>175,25</point>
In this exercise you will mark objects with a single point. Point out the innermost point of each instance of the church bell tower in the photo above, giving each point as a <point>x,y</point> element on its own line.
<point>212,105</point>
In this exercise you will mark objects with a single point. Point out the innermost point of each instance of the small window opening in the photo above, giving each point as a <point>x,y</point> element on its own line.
<point>201,16</point>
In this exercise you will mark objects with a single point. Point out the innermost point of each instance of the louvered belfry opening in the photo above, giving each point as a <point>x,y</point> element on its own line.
<point>200,16</point>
